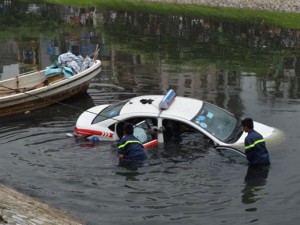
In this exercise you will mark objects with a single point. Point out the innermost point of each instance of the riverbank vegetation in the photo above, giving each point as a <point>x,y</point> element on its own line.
<point>281,19</point>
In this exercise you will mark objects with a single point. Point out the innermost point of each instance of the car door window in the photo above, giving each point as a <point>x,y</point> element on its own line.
<point>142,128</point>
<point>232,154</point>
<point>140,134</point>
<point>142,131</point>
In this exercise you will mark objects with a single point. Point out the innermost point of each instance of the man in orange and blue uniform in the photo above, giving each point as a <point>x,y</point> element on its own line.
<point>255,147</point>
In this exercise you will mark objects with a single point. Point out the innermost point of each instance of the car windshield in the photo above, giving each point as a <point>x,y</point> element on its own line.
<point>218,122</point>
<point>109,112</point>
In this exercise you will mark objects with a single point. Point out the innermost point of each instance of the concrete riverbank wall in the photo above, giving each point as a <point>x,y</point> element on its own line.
<point>16,208</point>
<point>265,5</point>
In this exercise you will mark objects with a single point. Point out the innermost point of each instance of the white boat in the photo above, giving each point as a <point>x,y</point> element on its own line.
<point>33,90</point>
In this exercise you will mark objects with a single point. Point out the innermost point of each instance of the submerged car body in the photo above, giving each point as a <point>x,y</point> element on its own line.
<point>157,117</point>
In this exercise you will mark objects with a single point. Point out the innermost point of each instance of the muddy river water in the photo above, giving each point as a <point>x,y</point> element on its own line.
<point>251,70</point>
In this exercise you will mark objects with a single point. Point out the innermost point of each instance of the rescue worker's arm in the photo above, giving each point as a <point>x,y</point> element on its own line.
<point>121,149</point>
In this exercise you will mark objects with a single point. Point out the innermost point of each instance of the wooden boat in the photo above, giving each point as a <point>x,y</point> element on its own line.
<point>33,90</point>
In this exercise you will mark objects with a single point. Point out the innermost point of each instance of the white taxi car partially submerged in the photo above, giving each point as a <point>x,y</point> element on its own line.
<point>158,117</point>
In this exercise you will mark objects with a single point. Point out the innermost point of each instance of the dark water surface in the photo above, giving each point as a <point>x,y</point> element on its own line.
<point>249,69</point>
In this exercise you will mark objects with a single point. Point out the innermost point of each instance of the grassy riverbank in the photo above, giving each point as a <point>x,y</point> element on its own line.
<point>281,19</point>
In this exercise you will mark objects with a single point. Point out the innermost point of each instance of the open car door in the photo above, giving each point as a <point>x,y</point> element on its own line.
<point>232,154</point>
<point>143,132</point>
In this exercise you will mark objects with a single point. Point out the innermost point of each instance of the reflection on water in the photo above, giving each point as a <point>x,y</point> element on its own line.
<point>255,180</point>
<point>196,56</point>
<point>245,68</point>
<point>207,58</point>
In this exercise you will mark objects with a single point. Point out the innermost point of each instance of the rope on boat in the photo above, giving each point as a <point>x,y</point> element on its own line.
<point>25,91</point>
<point>63,104</point>
<point>36,96</point>
<point>71,106</point>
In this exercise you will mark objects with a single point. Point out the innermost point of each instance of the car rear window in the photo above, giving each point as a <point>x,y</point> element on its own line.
<point>109,112</point>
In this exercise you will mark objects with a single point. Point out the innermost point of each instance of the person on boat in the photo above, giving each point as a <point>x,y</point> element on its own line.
<point>255,147</point>
<point>130,150</point>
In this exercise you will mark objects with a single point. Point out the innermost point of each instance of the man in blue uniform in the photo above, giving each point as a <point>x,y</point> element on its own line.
<point>255,147</point>
<point>130,149</point>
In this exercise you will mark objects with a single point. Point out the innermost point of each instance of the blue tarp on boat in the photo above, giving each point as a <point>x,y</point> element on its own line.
<point>68,64</point>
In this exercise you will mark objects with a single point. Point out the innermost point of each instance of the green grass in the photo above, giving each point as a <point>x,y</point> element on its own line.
<point>284,20</point>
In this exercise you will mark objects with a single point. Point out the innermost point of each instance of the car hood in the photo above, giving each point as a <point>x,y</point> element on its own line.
<point>272,136</point>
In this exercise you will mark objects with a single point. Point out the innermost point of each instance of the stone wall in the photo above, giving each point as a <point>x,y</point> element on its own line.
<point>265,5</point>
<point>16,208</point>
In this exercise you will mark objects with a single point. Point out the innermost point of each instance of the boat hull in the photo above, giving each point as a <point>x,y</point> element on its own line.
<point>50,94</point>
<point>39,102</point>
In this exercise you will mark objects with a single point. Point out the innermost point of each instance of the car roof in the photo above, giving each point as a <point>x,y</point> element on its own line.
<point>181,107</point>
